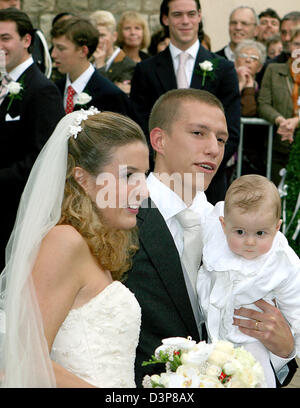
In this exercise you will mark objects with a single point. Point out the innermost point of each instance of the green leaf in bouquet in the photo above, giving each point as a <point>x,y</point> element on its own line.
<point>163,358</point>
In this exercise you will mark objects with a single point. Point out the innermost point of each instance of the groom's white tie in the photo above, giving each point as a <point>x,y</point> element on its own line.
<point>192,243</point>
<point>182,81</point>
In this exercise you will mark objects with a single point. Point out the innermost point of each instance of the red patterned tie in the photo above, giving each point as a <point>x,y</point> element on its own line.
<point>70,101</point>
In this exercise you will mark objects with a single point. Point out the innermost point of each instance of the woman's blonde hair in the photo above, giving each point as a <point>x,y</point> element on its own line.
<point>92,150</point>
<point>104,18</point>
<point>137,18</point>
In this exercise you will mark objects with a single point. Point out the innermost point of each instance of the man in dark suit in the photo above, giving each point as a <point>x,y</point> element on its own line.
<point>188,133</point>
<point>27,117</point>
<point>287,24</point>
<point>157,75</point>
<point>74,42</point>
<point>243,23</point>
<point>40,52</point>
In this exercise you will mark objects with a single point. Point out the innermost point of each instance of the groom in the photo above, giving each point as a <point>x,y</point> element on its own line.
<point>155,76</point>
<point>188,133</point>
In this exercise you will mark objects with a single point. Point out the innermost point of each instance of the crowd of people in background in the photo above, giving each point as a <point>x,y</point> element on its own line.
<point>168,97</point>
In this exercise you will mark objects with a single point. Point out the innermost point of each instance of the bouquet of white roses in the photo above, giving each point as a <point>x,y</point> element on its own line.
<point>215,365</point>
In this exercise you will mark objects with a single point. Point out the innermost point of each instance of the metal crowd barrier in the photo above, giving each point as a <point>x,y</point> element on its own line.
<point>255,121</point>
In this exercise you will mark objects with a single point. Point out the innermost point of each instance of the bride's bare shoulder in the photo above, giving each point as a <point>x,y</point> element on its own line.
<point>65,239</point>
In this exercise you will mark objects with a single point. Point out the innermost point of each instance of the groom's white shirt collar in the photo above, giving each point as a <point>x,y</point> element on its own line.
<point>169,203</point>
<point>18,71</point>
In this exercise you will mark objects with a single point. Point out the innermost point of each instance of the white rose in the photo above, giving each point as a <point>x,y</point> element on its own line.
<point>206,66</point>
<point>14,87</point>
<point>218,358</point>
<point>83,98</point>
<point>225,346</point>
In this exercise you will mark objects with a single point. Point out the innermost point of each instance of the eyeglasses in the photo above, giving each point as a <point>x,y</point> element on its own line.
<point>253,57</point>
<point>242,23</point>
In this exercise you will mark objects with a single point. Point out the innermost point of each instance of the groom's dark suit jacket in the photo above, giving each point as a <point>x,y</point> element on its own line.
<point>106,96</point>
<point>155,76</point>
<point>35,115</point>
<point>157,280</point>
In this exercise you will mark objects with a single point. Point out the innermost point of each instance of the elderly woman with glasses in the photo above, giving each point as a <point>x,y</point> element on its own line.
<point>250,56</point>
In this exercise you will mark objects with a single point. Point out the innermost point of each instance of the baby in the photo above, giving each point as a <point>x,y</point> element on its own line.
<point>246,258</point>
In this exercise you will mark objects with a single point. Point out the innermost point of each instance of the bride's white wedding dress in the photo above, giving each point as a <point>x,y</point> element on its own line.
<point>98,340</point>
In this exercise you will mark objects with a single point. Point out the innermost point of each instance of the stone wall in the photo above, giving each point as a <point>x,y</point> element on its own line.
<point>42,12</point>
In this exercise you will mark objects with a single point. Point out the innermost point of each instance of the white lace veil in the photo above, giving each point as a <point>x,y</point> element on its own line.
<point>24,355</point>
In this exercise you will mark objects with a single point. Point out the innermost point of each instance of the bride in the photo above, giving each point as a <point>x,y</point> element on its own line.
<point>66,320</point>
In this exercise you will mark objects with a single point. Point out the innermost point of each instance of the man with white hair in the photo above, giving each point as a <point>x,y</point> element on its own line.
<point>243,23</point>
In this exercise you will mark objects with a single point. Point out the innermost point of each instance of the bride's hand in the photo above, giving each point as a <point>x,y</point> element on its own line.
<point>269,326</point>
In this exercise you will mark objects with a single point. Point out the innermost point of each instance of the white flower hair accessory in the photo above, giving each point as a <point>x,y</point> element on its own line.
<point>82,115</point>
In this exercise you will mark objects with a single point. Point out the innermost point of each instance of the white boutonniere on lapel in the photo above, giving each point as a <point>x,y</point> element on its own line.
<point>15,91</point>
<point>83,99</point>
<point>207,69</point>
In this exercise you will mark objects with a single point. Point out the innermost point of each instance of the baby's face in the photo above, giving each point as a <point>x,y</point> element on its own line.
<point>250,234</point>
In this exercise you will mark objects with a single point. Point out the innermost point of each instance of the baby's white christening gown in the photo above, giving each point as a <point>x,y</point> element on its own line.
<point>98,340</point>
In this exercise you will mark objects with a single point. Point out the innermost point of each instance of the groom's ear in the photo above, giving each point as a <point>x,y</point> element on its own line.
<point>157,139</point>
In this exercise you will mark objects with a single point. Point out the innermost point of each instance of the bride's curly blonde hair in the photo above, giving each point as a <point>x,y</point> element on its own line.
<point>92,150</point>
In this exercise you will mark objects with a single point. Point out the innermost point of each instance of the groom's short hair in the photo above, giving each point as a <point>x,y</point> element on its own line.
<point>167,107</point>
<point>79,31</point>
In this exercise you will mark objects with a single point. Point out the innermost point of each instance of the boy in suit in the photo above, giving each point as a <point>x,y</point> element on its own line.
<point>74,42</point>
<point>159,74</point>
<point>188,133</point>
<point>28,115</point>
